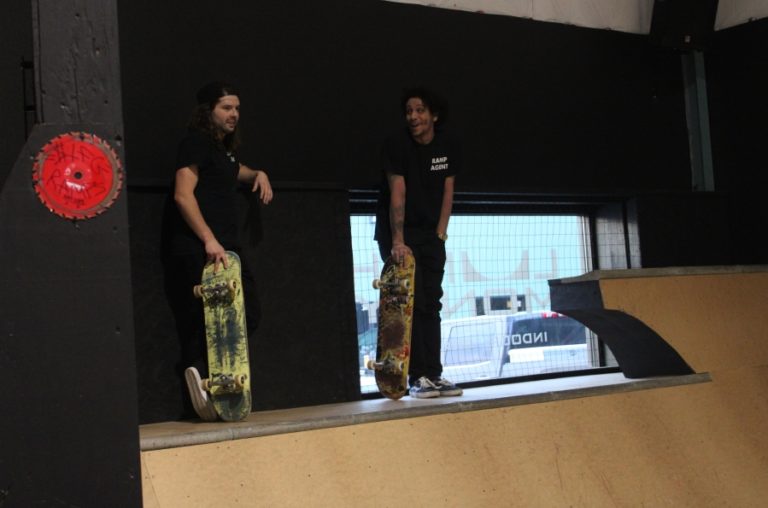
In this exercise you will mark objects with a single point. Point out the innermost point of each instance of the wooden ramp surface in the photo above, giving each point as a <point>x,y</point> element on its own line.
<point>695,440</point>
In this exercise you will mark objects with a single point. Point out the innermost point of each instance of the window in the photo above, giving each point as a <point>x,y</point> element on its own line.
<point>496,317</point>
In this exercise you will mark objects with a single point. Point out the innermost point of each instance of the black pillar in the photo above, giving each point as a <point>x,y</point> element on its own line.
<point>69,427</point>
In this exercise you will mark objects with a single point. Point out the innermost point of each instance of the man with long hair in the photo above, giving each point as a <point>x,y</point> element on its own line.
<point>420,164</point>
<point>203,223</point>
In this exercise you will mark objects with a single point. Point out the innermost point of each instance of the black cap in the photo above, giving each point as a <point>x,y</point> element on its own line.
<point>212,92</point>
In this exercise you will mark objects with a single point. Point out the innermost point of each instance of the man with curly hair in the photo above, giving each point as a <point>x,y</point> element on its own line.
<point>420,164</point>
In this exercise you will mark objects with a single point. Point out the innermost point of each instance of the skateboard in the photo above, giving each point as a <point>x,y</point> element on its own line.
<point>228,381</point>
<point>395,316</point>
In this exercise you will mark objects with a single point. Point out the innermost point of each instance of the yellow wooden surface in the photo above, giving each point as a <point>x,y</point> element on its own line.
<point>700,445</point>
<point>713,321</point>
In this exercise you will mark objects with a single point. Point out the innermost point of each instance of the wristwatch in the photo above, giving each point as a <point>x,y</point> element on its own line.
<point>442,236</point>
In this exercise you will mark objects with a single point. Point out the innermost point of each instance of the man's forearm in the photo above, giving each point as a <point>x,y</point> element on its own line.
<point>397,208</point>
<point>190,212</point>
<point>446,206</point>
<point>246,174</point>
<point>396,221</point>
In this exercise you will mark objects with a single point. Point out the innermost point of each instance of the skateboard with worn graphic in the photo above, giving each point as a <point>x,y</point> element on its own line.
<point>395,316</point>
<point>229,373</point>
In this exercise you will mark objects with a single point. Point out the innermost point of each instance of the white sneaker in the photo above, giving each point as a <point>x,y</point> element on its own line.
<point>200,401</point>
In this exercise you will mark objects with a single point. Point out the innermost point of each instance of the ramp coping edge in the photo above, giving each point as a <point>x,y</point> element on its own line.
<point>157,436</point>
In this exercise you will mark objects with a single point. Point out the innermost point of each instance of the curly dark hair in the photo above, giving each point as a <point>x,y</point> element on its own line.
<point>436,104</point>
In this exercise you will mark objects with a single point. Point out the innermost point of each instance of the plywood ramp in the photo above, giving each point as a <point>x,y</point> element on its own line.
<point>714,320</point>
<point>701,444</point>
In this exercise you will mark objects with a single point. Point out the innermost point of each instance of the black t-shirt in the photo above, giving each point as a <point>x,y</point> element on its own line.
<point>425,168</point>
<point>216,193</point>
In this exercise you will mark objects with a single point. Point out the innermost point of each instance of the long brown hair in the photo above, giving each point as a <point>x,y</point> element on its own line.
<point>207,98</point>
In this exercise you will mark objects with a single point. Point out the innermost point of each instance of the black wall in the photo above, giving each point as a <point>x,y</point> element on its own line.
<point>540,106</point>
<point>306,342</point>
<point>16,44</point>
<point>737,85</point>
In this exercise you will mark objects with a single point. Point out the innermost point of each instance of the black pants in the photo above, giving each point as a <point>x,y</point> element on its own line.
<point>183,272</point>
<point>429,253</point>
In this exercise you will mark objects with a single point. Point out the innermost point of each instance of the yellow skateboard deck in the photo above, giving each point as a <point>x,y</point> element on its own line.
<point>229,373</point>
<point>395,316</point>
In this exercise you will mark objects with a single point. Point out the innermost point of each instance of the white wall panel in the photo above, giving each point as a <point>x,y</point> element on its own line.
<point>633,16</point>
<point>622,15</point>
<point>736,12</point>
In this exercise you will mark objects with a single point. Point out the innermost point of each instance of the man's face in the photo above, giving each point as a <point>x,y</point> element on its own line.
<point>225,114</point>
<point>421,121</point>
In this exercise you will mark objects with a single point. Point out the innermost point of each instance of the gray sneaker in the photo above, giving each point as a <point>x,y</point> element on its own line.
<point>446,388</point>
<point>200,401</point>
<point>423,389</point>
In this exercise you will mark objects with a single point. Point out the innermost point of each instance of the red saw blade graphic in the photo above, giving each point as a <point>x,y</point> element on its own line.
<point>77,175</point>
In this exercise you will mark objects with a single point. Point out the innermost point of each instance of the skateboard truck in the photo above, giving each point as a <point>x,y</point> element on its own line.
<point>403,284</point>
<point>227,382</point>
<point>223,292</point>
<point>388,365</point>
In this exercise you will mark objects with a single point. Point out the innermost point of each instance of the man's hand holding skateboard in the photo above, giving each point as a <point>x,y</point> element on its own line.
<point>400,251</point>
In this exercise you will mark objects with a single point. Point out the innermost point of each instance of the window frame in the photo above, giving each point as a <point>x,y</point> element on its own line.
<point>590,207</point>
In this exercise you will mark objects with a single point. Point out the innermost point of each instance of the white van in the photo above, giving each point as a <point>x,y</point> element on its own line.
<point>511,345</point>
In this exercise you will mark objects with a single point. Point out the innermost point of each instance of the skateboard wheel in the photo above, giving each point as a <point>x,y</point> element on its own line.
<point>197,291</point>
<point>240,380</point>
<point>205,384</point>
<point>371,365</point>
<point>376,284</point>
<point>405,284</point>
<point>231,289</point>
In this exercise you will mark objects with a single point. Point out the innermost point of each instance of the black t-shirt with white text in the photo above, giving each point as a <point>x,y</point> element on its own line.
<point>425,168</point>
